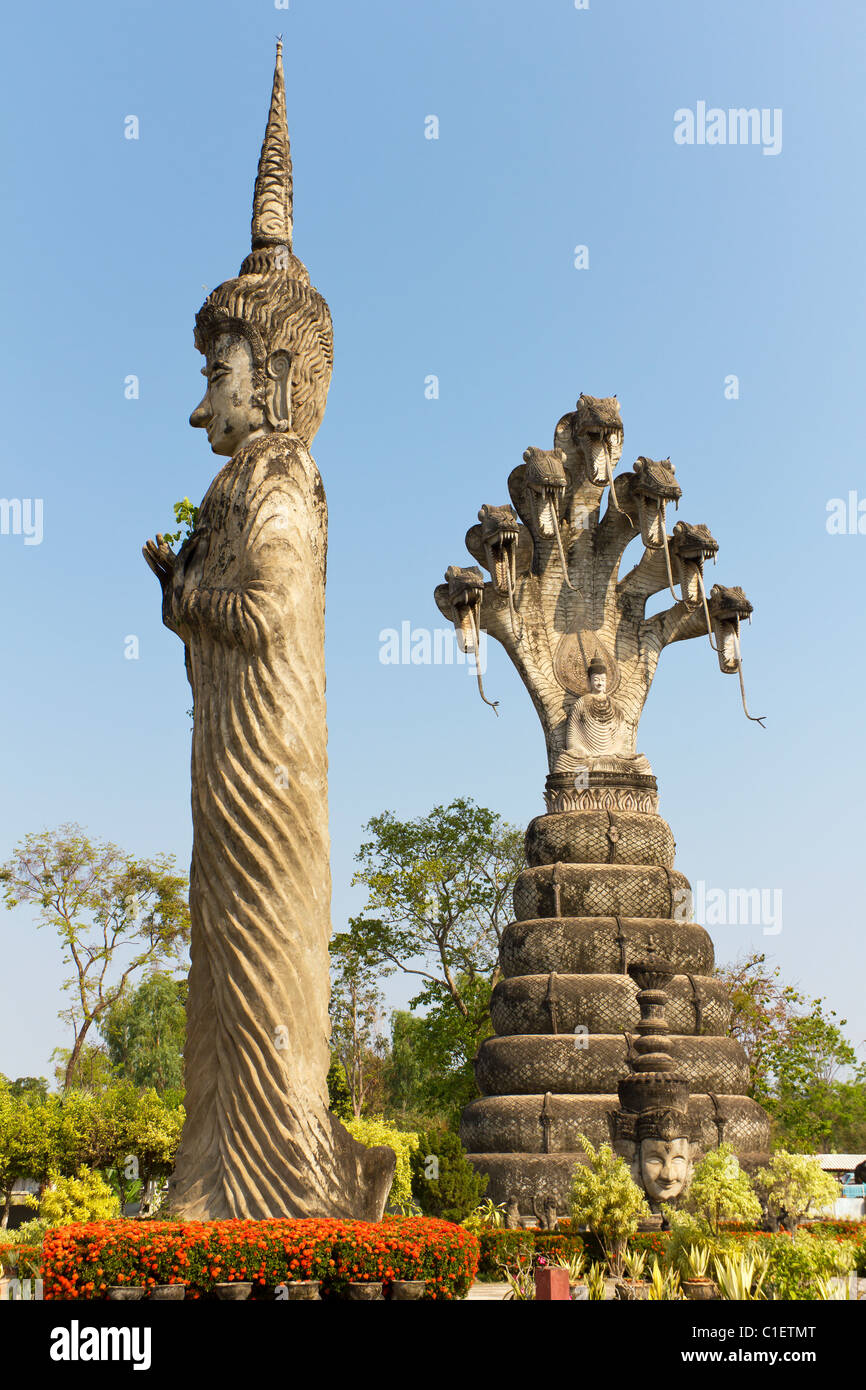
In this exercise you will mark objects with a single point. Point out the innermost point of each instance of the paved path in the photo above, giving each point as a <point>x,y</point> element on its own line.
<point>487,1292</point>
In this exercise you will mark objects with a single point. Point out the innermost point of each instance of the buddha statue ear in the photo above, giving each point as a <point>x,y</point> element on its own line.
<point>278,401</point>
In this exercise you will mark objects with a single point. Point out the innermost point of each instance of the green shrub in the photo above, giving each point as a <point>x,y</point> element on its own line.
<point>798,1264</point>
<point>21,1258</point>
<point>444,1184</point>
<point>374,1130</point>
<point>84,1197</point>
<point>793,1184</point>
<point>838,1227</point>
<point>605,1197</point>
<point>500,1247</point>
<point>339,1096</point>
<point>721,1191</point>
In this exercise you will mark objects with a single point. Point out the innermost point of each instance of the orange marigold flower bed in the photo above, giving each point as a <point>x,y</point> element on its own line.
<point>83,1261</point>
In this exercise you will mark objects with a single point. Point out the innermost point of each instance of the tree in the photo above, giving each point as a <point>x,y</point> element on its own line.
<point>807,1099</point>
<point>439,897</point>
<point>339,1098</point>
<point>137,1137</point>
<point>721,1191</point>
<point>406,1077</point>
<point>29,1141</point>
<point>797,1050</point>
<point>91,1071</point>
<point>145,1033</point>
<point>114,916</point>
<point>444,1183</point>
<point>606,1199</point>
<point>374,1130</point>
<point>793,1186</point>
<point>83,1196</point>
<point>429,1071</point>
<point>30,1088</point>
<point>10,1148</point>
<point>356,1011</point>
<point>763,1008</point>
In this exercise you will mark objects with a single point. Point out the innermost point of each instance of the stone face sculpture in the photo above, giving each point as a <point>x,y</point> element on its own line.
<point>600,892</point>
<point>246,595</point>
<point>653,1125</point>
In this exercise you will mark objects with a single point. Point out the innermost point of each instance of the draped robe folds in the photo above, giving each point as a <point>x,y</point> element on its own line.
<point>248,600</point>
<point>598,735</point>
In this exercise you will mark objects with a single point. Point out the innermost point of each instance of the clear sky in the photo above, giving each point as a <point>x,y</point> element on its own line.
<point>451,257</point>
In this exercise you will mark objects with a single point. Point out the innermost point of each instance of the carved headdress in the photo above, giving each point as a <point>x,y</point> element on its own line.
<point>272,303</point>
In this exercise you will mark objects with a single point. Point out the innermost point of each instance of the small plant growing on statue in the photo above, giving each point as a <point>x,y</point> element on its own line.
<point>186,517</point>
<point>605,1198</point>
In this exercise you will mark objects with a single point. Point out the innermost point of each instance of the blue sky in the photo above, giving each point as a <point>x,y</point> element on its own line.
<point>452,257</point>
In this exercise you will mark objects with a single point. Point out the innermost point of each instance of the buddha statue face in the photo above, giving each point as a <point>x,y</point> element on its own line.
<point>232,409</point>
<point>598,683</point>
<point>665,1166</point>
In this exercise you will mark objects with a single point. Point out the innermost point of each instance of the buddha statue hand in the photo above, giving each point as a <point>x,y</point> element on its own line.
<point>161,559</point>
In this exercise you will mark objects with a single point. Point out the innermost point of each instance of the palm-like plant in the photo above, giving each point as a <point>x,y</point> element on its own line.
<point>740,1275</point>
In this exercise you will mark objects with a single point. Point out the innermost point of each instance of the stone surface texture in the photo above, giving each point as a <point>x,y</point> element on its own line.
<point>600,896</point>
<point>246,595</point>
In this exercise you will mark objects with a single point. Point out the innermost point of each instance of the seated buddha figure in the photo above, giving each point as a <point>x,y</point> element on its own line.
<point>597,734</point>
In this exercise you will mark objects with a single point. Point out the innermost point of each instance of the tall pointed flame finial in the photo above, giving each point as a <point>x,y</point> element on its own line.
<point>272,199</point>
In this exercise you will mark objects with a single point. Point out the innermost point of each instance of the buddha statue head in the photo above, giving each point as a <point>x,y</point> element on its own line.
<point>596,676</point>
<point>654,1120</point>
<point>663,1164</point>
<point>266,336</point>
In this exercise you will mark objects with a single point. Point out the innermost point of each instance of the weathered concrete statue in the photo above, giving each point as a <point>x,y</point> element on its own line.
<point>600,895</point>
<point>246,595</point>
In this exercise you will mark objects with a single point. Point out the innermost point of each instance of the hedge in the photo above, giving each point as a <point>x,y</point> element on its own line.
<point>15,1258</point>
<point>499,1246</point>
<point>82,1261</point>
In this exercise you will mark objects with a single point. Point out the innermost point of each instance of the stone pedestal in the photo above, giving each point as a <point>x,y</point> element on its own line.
<point>600,892</point>
<point>551,1285</point>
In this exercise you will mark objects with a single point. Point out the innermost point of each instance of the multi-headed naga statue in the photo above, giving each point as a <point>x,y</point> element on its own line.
<point>600,908</point>
<point>246,595</point>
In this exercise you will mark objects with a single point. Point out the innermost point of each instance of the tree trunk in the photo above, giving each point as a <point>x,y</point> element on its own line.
<point>74,1056</point>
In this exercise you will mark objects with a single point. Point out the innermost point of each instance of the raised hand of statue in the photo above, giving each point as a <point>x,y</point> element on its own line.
<point>161,559</point>
<point>169,571</point>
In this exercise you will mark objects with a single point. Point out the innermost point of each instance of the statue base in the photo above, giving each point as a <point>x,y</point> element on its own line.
<point>600,895</point>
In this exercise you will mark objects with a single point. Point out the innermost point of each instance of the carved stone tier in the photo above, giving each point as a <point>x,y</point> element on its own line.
<point>602,945</point>
<point>601,791</point>
<point>600,890</point>
<point>533,1177</point>
<point>569,1064</point>
<point>550,1124</point>
<point>600,895</point>
<point>600,837</point>
<point>545,1004</point>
